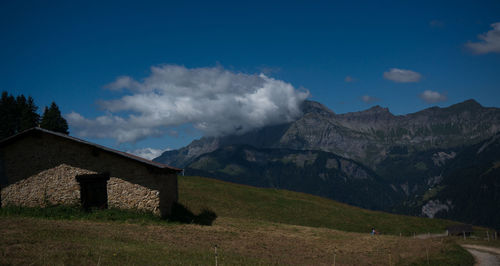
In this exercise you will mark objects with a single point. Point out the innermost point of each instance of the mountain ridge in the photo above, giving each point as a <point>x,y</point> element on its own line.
<point>409,156</point>
<point>365,136</point>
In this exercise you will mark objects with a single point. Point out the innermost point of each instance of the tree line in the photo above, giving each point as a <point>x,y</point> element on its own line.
<point>20,113</point>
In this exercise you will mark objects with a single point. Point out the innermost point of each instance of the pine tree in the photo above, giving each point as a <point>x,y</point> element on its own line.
<point>52,120</point>
<point>29,117</point>
<point>8,115</point>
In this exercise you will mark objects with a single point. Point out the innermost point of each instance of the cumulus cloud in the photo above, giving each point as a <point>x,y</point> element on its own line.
<point>214,100</point>
<point>433,96</point>
<point>148,153</point>
<point>402,75</point>
<point>369,99</point>
<point>490,41</point>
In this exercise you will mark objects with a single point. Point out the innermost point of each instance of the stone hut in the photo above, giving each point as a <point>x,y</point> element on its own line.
<point>39,167</point>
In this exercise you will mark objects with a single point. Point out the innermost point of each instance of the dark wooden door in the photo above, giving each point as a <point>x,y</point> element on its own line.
<point>93,191</point>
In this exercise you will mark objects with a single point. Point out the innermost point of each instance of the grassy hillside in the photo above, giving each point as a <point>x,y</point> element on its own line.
<point>35,241</point>
<point>281,206</point>
<point>254,226</point>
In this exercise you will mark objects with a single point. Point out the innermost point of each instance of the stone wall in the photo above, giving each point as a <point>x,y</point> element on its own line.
<point>45,166</point>
<point>126,195</point>
<point>58,186</point>
<point>51,187</point>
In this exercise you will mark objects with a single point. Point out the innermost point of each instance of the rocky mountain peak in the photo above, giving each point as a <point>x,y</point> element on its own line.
<point>316,108</point>
<point>377,109</point>
<point>375,114</point>
<point>470,104</point>
<point>366,136</point>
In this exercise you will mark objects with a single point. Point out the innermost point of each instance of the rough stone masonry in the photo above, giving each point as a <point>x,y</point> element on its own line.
<point>40,168</point>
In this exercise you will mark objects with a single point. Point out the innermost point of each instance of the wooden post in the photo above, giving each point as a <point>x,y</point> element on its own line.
<point>390,258</point>
<point>427,252</point>
<point>464,235</point>
<point>334,256</point>
<point>215,255</point>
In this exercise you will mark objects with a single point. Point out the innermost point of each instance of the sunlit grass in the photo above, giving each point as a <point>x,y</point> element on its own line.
<point>240,201</point>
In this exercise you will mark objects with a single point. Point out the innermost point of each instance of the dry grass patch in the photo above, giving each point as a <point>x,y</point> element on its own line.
<point>40,241</point>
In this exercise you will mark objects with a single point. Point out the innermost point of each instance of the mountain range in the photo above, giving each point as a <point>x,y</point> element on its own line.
<point>438,162</point>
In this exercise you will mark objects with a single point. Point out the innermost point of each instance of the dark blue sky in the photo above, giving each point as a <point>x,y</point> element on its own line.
<point>67,51</point>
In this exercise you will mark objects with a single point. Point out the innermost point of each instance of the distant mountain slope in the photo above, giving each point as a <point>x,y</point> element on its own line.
<point>415,163</point>
<point>470,187</point>
<point>366,136</point>
<point>315,172</point>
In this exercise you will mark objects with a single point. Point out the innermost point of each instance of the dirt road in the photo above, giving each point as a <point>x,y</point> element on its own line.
<point>485,256</point>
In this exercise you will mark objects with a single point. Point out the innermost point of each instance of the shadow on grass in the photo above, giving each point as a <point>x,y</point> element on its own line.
<point>182,214</point>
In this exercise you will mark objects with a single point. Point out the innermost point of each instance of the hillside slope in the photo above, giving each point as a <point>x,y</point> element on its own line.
<point>470,190</point>
<point>314,172</point>
<point>282,206</point>
<point>255,226</point>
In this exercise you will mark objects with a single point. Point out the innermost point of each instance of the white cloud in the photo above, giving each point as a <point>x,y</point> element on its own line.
<point>214,100</point>
<point>369,99</point>
<point>349,79</point>
<point>490,42</point>
<point>402,75</point>
<point>433,96</point>
<point>148,153</point>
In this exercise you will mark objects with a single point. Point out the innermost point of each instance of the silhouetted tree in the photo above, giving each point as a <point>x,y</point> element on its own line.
<point>17,114</point>
<point>52,120</point>
<point>28,116</point>
<point>8,115</point>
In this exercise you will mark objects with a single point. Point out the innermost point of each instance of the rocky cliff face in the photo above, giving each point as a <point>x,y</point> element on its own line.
<point>469,187</point>
<point>315,172</point>
<point>367,136</point>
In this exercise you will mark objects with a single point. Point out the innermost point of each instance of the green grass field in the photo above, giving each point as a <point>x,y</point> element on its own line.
<point>254,226</point>
<point>282,206</point>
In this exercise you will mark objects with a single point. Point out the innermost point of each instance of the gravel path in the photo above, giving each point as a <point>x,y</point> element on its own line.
<point>485,256</point>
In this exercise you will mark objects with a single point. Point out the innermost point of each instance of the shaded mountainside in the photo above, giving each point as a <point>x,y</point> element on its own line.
<point>366,136</point>
<point>315,172</point>
<point>470,187</point>
<point>415,164</point>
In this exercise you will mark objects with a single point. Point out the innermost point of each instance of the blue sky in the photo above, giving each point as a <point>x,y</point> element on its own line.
<point>349,55</point>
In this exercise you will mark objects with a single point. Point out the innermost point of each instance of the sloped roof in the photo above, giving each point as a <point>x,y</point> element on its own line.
<point>103,148</point>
